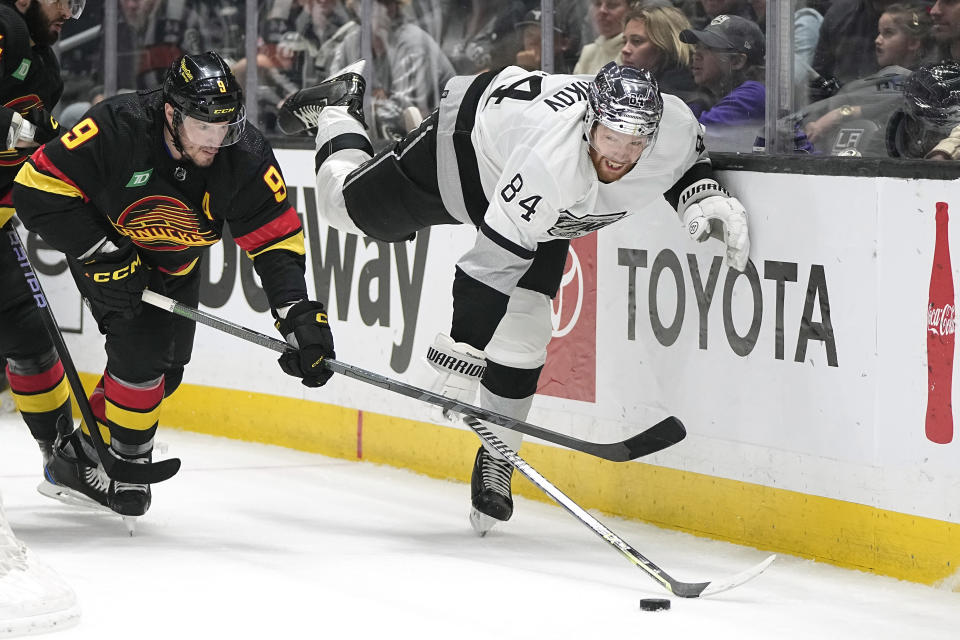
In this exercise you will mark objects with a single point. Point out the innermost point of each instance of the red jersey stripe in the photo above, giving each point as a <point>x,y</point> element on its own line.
<point>285,224</point>
<point>43,163</point>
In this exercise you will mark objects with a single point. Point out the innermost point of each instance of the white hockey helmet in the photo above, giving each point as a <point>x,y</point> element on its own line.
<point>625,100</point>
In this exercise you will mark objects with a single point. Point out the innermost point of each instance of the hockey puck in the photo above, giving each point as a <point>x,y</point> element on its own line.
<point>654,604</point>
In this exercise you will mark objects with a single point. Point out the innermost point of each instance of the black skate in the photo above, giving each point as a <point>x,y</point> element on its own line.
<point>490,491</point>
<point>300,112</point>
<point>129,499</point>
<point>74,475</point>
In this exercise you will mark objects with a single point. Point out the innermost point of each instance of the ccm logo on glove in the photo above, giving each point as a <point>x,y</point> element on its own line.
<point>119,274</point>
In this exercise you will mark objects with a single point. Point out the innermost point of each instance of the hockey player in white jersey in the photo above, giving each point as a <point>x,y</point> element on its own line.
<point>531,160</point>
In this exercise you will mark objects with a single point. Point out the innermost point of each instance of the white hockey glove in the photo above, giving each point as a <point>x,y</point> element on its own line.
<point>722,217</point>
<point>458,368</point>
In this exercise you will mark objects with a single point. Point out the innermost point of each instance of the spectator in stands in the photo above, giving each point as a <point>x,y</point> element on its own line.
<point>903,42</point>
<point>845,48</point>
<point>607,19</point>
<point>651,41</point>
<point>476,35</point>
<point>531,42</point>
<point>310,37</point>
<point>151,34</point>
<point>946,28</point>
<point>297,46</point>
<point>728,64</point>
<point>222,27</point>
<point>408,68</point>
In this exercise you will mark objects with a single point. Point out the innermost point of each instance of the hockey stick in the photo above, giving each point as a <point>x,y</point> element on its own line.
<point>678,588</point>
<point>665,433</point>
<point>115,467</point>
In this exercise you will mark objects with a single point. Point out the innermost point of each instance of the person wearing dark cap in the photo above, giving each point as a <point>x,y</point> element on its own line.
<point>728,65</point>
<point>531,42</point>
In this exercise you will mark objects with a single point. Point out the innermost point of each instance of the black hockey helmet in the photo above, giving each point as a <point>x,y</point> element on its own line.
<point>202,87</point>
<point>930,110</point>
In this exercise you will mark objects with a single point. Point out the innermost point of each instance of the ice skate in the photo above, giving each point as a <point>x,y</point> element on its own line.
<point>490,492</point>
<point>74,475</point>
<point>130,499</point>
<point>299,112</point>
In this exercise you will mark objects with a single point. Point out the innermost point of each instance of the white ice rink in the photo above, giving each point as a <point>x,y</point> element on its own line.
<point>253,541</point>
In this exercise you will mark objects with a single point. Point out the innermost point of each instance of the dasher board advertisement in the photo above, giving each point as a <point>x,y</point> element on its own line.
<point>807,372</point>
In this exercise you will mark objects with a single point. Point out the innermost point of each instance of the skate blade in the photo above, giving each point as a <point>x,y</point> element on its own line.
<point>481,522</point>
<point>70,497</point>
<point>130,522</point>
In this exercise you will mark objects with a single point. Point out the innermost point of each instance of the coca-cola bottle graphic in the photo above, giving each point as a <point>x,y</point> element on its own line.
<point>941,314</point>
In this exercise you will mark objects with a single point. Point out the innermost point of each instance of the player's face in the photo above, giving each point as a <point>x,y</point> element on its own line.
<point>45,20</point>
<point>614,153</point>
<point>637,50</point>
<point>201,141</point>
<point>946,20</point>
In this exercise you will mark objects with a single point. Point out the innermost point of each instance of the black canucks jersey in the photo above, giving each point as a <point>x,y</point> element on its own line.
<point>112,175</point>
<point>29,79</point>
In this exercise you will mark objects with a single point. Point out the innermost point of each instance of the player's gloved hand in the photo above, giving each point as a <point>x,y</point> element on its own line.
<point>458,368</point>
<point>114,278</point>
<point>46,126</point>
<point>305,328</point>
<point>721,217</point>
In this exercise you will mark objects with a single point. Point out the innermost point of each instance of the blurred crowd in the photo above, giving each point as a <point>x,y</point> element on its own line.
<point>851,59</point>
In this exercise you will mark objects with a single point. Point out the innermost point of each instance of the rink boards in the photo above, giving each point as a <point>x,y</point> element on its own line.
<point>803,382</point>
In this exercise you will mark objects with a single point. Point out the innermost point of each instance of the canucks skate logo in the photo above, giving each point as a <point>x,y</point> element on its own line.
<point>568,226</point>
<point>162,223</point>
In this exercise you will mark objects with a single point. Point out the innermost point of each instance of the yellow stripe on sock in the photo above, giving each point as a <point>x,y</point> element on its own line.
<point>42,402</point>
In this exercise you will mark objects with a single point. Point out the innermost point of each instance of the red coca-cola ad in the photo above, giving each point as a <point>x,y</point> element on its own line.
<point>941,329</point>
<point>571,369</point>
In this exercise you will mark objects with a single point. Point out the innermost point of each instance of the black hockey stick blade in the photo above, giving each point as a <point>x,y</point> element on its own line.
<point>115,467</point>
<point>663,434</point>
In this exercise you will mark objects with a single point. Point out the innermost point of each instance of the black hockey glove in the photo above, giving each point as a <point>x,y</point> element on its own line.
<point>306,329</point>
<point>47,128</point>
<point>115,281</point>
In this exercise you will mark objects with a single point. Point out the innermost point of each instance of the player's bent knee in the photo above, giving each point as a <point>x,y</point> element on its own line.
<point>521,338</point>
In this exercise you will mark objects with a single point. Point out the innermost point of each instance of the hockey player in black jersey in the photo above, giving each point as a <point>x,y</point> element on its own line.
<point>531,160</point>
<point>133,195</point>
<point>30,87</point>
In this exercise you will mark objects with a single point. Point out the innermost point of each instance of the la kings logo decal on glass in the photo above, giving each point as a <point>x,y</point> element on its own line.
<point>569,226</point>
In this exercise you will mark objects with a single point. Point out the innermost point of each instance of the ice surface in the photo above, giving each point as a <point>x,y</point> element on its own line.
<point>253,541</point>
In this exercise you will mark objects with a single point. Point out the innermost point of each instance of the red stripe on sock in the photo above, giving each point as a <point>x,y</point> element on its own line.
<point>38,382</point>
<point>132,397</point>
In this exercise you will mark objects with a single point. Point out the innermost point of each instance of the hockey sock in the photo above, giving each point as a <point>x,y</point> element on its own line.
<point>41,394</point>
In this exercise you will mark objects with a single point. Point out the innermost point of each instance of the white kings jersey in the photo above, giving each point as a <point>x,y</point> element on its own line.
<point>537,178</point>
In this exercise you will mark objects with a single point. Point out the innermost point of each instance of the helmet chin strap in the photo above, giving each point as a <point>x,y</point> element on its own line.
<point>175,131</point>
